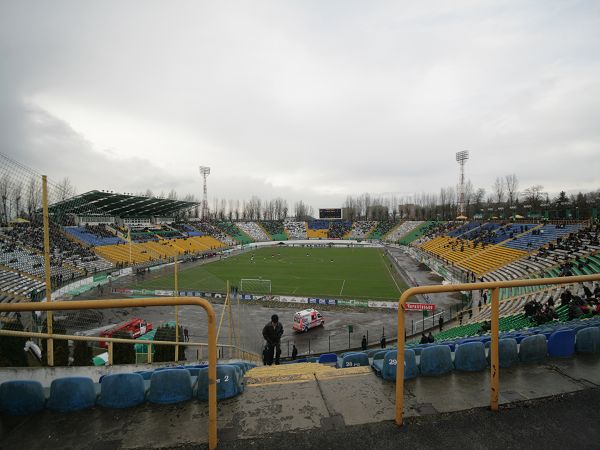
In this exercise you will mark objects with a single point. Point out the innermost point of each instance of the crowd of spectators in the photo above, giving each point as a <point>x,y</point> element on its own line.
<point>339,228</point>
<point>273,227</point>
<point>211,230</point>
<point>540,313</point>
<point>253,230</point>
<point>587,302</point>
<point>362,228</point>
<point>68,258</point>
<point>295,229</point>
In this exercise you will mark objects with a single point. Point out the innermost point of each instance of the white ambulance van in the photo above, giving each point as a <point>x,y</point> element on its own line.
<point>306,319</point>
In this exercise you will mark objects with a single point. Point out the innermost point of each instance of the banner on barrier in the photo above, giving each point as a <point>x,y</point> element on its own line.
<point>163,293</point>
<point>362,303</point>
<point>419,307</point>
<point>382,304</point>
<point>291,299</point>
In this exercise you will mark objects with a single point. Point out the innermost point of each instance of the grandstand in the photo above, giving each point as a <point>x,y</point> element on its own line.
<point>275,229</point>
<point>402,230</point>
<point>235,232</point>
<point>383,227</point>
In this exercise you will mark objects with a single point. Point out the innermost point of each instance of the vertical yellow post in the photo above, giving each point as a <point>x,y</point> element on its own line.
<point>212,381</point>
<point>494,349</point>
<point>239,324</point>
<point>400,364</point>
<point>176,312</point>
<point>229,320</point>
<point>130,245</point>
<point>47,270</point>
<point>110,353</point>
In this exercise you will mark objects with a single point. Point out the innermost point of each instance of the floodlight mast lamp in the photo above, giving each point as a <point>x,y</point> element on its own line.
<point>205,172</point>
<point>461,158</point>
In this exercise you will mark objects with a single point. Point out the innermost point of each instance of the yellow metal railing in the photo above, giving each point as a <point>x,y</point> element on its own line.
<point>136,303</point>
<point>494,355</point>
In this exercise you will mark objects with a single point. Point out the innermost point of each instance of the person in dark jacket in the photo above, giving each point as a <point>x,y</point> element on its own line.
<point>272,333</point>
<point>383,342</point>
<point>424,339</point>
<point>363,343</point>
<point>294,352</point>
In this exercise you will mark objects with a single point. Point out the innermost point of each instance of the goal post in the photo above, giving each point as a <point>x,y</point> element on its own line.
<point>255,286</point>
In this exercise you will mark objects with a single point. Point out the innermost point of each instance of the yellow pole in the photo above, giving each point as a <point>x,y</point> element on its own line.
<point>176,313</point>
<point>229,319</point>
<point>130,244</point>
<point>212,379</point>
<point>222,315</point>
<point>47,269</point>
<point>495,350</point>
<point>400,360</point>
<point>239,324</point>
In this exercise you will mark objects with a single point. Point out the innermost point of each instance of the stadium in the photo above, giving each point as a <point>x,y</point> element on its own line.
<point>263,303</point>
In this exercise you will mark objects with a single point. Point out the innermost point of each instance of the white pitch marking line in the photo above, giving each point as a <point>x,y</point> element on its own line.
<point>343,282</point>
<point>390,272</point>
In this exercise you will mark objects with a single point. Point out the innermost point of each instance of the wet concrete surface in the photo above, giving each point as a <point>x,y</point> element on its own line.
<point>351,404</point>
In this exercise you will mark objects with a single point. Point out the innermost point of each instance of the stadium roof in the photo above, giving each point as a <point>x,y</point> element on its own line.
<point>120,205</point>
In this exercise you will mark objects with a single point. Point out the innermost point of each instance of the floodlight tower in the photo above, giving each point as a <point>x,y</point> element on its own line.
<point>205,172</point>
<point>461,158</point>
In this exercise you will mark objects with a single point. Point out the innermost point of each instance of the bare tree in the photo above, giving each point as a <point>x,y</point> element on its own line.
<point>301,210</point>
<point>172,195</point>
<point>34,197</point>
<point>5,190</point>
<point>534,195</point>
<point>499,189</point>
<point>17,195</point>
<point>64,189</point>
<point>512,188</point>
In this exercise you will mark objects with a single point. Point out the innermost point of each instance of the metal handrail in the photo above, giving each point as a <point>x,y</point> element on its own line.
<point>495,286</point>
<point>143,302</point>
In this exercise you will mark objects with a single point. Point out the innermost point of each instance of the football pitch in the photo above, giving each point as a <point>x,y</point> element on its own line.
<point>360,273</point>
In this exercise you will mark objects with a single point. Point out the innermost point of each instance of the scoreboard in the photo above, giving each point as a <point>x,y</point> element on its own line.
<point>330,213</point>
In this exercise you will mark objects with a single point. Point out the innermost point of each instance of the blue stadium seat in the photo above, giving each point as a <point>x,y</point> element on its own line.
<point>170,386</point>
<point>146,374</point>
<point>21,398</point>
<point>380,354</point>
<point>386,367</point>
<point>229,382</point>
<point>122,390</point>
<point>508,352</point>
<point>436,360</point>
<point>328,358</point>
<point>194,371</point>
<point>588,340</point>
<point>71,394</point>
<point>354,360</point>
<point>241,365</point>
<point>470,357</point>
<point>562,344</point>
<point>533,349</point>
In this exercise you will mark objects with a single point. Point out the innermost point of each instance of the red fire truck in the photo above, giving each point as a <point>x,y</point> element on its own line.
<point>135,327</point>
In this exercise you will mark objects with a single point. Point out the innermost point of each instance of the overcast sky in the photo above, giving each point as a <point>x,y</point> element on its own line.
<point>310,100</point>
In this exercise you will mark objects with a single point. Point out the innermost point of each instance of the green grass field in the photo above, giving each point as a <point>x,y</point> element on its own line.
<point>319,272</point>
